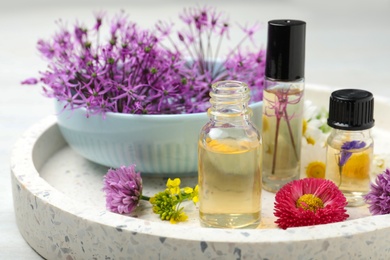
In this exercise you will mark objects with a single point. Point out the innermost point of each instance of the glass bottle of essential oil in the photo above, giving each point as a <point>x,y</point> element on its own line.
<point>350,145</point>
<point>283,103</point>
<point>229,157</point>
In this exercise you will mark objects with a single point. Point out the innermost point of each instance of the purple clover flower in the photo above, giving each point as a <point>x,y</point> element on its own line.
<point>345,150</point>
<point>123,188</point>
<point>135,71</point>
<point>378,197</point>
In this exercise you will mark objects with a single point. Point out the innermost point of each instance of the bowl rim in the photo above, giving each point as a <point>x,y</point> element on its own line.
<point>83,110</point>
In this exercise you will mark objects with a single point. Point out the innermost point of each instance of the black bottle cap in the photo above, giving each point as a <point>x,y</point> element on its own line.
<point>351,109</point>
<point>285,60</point>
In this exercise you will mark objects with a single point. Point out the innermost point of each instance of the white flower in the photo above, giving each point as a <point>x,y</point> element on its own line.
<point>314,120</point>
<point>379,164</point>
<point>313,160</point>
<point>314,135</point>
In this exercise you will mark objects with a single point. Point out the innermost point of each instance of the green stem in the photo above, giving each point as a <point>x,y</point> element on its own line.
<point>145,198</point>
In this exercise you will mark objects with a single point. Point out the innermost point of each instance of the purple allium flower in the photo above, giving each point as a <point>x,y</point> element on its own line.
<point>30,81</point>
<point>201,42</point>
<point>345,150</point>
<point>123,188</point>
<point>138,71</point>
<point>378,197</point>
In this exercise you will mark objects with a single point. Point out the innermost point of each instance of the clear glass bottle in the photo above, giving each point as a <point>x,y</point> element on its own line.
<point>350,144</point>
<point>283,103</point>
<point>229,158</point>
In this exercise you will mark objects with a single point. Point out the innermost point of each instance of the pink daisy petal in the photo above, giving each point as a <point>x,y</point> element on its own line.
<point>325,192</point>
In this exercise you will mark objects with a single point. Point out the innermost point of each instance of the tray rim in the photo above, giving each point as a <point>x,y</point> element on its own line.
<point>25,174</point>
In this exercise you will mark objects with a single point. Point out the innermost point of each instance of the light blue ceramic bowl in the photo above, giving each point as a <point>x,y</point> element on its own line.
<point>159,145</point>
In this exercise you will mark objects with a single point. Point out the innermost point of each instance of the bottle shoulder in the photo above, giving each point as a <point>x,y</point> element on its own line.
<point>338,138</point>
<point>218,130</point>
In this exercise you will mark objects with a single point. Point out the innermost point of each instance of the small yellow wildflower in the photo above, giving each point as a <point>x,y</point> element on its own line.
<point>178,216</point>
<point>167,203</point>
<point>188,190</point>
<point>173,186</point>
<point>195,194</point>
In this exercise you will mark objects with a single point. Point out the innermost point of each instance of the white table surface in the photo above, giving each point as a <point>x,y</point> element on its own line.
<point>348,46</point>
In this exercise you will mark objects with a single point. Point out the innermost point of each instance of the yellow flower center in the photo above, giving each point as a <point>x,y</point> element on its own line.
<point>304,127</point>
<point>358,166</point>
<point>309,202</point>
<point>316,169</point>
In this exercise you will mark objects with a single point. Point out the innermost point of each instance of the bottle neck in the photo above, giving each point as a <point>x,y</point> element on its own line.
<point>350,135</point>
<point>270,84</point>
<point>229,101</point>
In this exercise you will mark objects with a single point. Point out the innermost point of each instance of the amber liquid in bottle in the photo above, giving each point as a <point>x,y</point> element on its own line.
<point>353,178</point>
<point>230,181</point>
<point>229,161</point>
<point>351,175</point>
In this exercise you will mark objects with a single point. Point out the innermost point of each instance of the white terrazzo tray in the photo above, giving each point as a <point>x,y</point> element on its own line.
<point>60,211</point>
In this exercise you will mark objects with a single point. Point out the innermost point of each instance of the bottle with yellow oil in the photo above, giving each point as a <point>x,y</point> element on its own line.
<point>229,158</point>
<point>350,144</point>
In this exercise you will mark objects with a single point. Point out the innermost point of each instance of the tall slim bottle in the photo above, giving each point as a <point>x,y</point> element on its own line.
<point>229,153</point>
<point>283,102</point>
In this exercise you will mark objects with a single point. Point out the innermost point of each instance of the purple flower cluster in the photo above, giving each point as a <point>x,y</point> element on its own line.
<point>123,188</point>
<point>135,71</point>
<point>378,197</point>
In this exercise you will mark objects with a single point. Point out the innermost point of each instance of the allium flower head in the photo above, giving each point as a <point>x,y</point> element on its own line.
<point>378,197</point>
<point>137,71</point>
<point>309,202</point>
<point>123,188</point>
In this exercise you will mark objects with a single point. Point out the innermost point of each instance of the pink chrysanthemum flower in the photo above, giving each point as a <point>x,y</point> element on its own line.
<point>309,202</point>
<point>123,188</point>
<point>379,196</point>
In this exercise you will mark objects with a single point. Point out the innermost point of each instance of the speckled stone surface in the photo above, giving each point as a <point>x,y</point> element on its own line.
<point>60,211</point>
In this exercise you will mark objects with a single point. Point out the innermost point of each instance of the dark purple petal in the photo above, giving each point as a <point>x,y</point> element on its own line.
<point>345,150</point>
<point>353,145</point>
